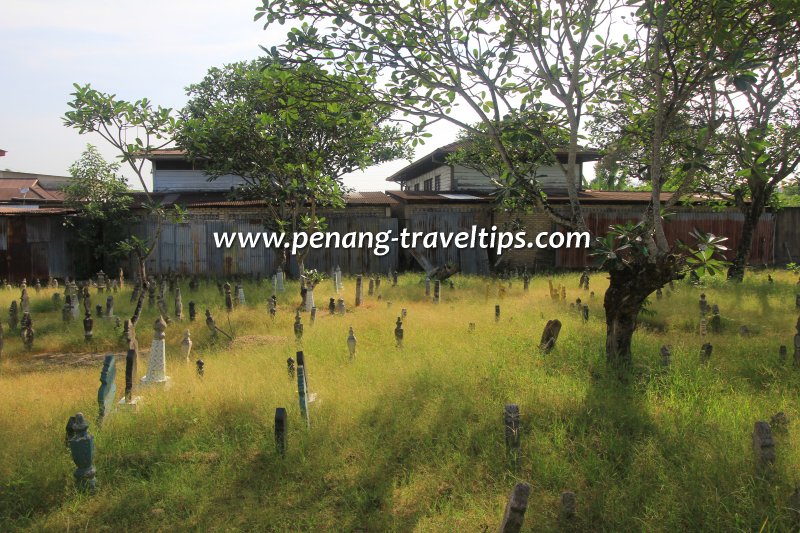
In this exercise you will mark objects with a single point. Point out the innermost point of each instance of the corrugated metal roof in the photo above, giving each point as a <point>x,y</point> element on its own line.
<point>222,199</point>
<point>41,211</point>
<point>421,165</point>
<point>11,189</point>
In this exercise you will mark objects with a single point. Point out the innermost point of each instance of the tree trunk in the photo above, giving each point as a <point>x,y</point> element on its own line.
<point>627,290</point>
<point>752,213</point>
<point>144,284</point>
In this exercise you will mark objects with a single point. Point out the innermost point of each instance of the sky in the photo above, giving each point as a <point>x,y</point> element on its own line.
<point>143,49</point>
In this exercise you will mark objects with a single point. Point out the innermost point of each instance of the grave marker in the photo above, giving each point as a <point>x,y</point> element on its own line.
<point>332,306</point>
<point>178,304</point>
<point>107,392</point>
<point>398,333</point>
<point>186,345</point>
<point>192,311</point>
<point>351,343</point>
<point>511,421</point>
<point>782,353</point>
<point>437,291</point>
<point>280,430</point>
<point>497,313</point>
<point>763,445</point>
<point>298,327</point>
<point>359,282</point>
<point>567,505</point>
<point>302,386</point>
<point>109,306</point>
<point>705,352</point>
<point>201,367</point>
<point>228,298</point>
<point>157,366</point>
<point>81,445</point>
<point>665,355</point>
<point>290,367</point>
<point>88,326</point>
<point>514,515</point>
<point>550,335</point>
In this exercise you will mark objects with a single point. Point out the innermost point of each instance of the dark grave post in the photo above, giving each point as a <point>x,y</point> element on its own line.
<point>228,297</point>
<point>99,310</point>
<point>437,291</point>
<point>280,430</point>
<point>131,362</point>
<point>497,313</point>
<point>665,355</point>
<point>371,286</point>
<point>332,306</point>
<point>81,445</point>
<point>178,304</point>
<point>359,282</point>
<point>782,353</point>
<point>302,385</point>
<point>763,446</point>
<point>585,313</point>
<point>427,286</point>
<point>192,312</point>
<point>568,505</point>
<point>109,306</point>
<point>398,333</point>
<point>511,423</point>
<point>313,314</point>
<point>290,367</point>
<point>298,327</point>
<point>550,335</point>
<point>351,343</point>
<point>705,352</point>
<point>200,367</point>
<point>394,278</point>
<point>88,325</point>
<point>514,515</point>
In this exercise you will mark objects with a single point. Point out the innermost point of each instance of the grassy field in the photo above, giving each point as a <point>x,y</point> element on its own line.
<point>412,439</point>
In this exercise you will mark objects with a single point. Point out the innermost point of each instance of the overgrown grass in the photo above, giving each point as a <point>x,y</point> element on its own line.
<point>412,439</point>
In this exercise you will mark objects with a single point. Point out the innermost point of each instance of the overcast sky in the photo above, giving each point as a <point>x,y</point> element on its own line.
<point>133,49</point>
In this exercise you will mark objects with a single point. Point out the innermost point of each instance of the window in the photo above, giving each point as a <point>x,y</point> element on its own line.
<point>428,184</point>
<point>416,186</point>
<point>437,182</point>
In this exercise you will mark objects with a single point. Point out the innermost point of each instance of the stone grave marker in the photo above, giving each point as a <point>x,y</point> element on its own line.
<point>716,320</point>
<point>24,301</point>
<point>427,286</point>
<point>308,300</point>
<point>471,327</point>
<point>703,304</point>
<point>359,288</point>
<point>331,306</point>
<point>38,286</point>
<point>272,304</point>
<point>157,366</point>
<point>135,293</point>
<point>659,294</point>
<point>665,355</point>
<point>228,298</point>
<point>130,401</point>
<point>313,315</point>
<point>109,306</point>
<point>437,291</point>
<point>290,367</point>
<point>351,343</point>
<point>178,304</point>
<point>550,335</point>
<point>705,352</point>
<point>394,278</point>
<point>13,317</point>
<point>585,313</point>
<point>514,515</point>
<point>377,283</point>
<point>66,311</point>
<point>240,299</point>
<point>151,293</point>
<point>497,313</point>
<point>526,282</point>
<point>186,345</point>
<point>279,281</point>
<point>340,308</point>
<point>703,326</point>
<point>56,299</point>
<point>98,309</point>
<point>107,392</point>
<point>28,332</point>
<point>192,311</point>
<point>371,287</point>
<point>88,328</point>
<point>567,505</point>
<point>81,446</point>
<point>201,367</point>
<point>398,333</point>
<point>280,430</point>
<point>302,387</point>
<point>511,420</point>
<point>298,327</point>
<point>763,446</point>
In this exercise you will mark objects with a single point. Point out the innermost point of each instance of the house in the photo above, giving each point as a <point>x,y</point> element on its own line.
<point>33,241</point>
<point>436,195</point>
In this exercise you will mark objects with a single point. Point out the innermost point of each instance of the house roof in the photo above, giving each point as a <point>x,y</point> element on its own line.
<point>165,153</point>
<point>11,191</point>
<point>2,153</point>
<point>436,158</point>
<point>34,211</point>
<point>585,197</point>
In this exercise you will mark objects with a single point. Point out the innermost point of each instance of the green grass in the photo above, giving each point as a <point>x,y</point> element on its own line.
<point>412,439</point>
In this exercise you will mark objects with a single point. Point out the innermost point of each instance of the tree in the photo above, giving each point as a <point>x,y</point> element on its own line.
<point>116,120</point>
<point>759,145</point>
<point>289,133</point>
<point>102,201</point>
<point>554,56</point>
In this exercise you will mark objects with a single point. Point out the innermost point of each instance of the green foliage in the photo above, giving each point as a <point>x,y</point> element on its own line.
<point>102,201</point>
<point>116,120</point>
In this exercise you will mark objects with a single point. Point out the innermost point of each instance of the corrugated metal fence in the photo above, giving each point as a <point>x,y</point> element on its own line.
<point>724,224</point>
<point>190,248</point>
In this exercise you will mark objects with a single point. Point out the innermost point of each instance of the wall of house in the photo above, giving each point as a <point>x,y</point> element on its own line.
<point>470,179</point>
<point>191,180</point>
<point>787,241</point>
<point>444,174</point>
